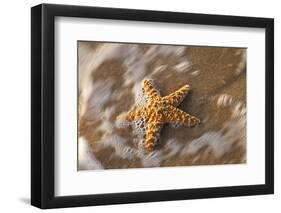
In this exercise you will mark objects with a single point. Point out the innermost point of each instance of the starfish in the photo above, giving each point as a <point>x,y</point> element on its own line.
<point>160,110</point>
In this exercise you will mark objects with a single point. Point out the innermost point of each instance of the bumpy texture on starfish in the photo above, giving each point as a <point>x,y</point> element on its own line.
<point>159,110</point>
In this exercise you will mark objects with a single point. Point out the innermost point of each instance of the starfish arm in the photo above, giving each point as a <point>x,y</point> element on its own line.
<point>177,97</point>
<point>150,91</point>
<point>136,114</point>
<point>175,115</point>
<point>152,132</point>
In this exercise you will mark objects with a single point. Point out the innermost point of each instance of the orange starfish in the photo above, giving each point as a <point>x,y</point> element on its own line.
<point>160,110</point>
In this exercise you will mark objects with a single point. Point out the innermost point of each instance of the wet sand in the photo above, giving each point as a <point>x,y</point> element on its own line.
<point>110,78</point>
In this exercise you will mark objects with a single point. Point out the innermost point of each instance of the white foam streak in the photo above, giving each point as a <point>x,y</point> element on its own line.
<point>182,67</point>
<point>86,158</point>
<point>119,144</point>
<point>90,60</point>
<point>101,94</point>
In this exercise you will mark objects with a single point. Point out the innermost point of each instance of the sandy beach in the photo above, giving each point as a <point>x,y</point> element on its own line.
<point>110,76</point>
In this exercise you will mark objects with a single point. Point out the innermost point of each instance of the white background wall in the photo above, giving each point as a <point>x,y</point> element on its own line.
<point>15,105</point>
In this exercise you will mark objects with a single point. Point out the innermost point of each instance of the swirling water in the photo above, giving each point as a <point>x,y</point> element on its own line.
<point>110,76</point>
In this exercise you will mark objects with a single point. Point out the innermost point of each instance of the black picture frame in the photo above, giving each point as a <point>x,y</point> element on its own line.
<point>43,105</point>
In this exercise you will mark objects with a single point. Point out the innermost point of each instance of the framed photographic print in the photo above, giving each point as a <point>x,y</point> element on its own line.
<point>140,106</point>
